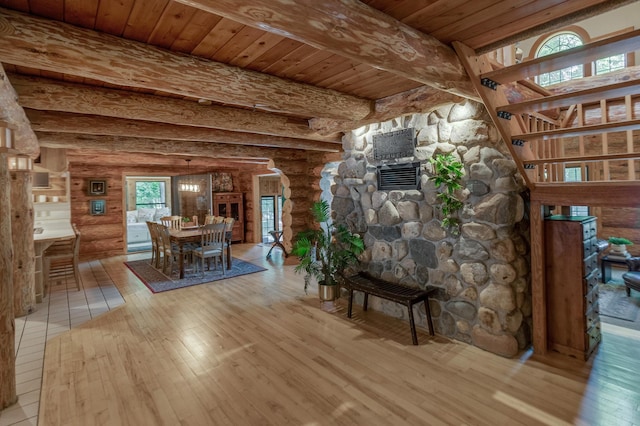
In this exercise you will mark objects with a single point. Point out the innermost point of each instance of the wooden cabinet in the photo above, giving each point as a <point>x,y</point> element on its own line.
<point>572,275</point>
<point>231,204</point>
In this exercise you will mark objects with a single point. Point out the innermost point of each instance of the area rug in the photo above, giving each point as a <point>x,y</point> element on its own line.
<point>615,303</point>
<point>158,282</point>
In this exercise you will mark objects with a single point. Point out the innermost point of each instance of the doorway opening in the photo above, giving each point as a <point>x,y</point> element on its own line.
<point>147,198</point>
<point>271,201</point>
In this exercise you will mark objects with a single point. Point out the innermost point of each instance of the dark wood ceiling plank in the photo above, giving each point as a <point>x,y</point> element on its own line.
<point>221,34</point>
<point>596,94</point>
<point>42,94</point>
<point>246,37</point>
<point>81,12</point>
<point>262,45</point>
<point>61,122</point>
<point>143,19</point>
<point>52,8</point>
<point>531,21</point>
<point>59,47</point>
<point>492,14</point>
<point>174,19</point>
<point>290,60</point>
<point>622,43</point>
<point>353,30</point>
<point>194,33</point>
<point>283,47</point>
<point>112,16</point>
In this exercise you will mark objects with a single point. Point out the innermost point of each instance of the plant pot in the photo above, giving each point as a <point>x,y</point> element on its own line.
<point>327,292</point>
<point>619,249</point>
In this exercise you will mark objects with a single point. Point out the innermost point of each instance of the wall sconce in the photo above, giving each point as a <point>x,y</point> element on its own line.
<point>6,137</point>
<point>20,163</point>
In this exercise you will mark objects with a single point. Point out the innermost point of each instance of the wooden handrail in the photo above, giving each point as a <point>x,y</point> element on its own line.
<point>586,158</point>
<point>593,95</point>
<point>623,43</point>
<point>569,132</point>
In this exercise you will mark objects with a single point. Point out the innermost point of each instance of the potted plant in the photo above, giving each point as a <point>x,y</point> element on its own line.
<point>447,174</point>
<point>325,251</point>
<point>619,245</point>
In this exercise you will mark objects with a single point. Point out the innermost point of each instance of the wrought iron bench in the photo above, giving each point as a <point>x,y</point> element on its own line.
<point>407,296</point>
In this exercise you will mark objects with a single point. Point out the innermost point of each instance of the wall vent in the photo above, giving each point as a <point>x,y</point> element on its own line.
<point>399,176</point>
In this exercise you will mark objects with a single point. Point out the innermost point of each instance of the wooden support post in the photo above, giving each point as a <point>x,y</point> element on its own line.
<point>7,322</point>
<point>538,292</point>
<point>24,295</point>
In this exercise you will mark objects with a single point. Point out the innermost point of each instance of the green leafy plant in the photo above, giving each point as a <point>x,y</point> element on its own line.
<point>448,174</point>
<point>620,241</point>
<point>325,250</point>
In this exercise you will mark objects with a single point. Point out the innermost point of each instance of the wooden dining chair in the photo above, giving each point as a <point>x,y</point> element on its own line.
<point>61,260</point>
<point>172,222</point>
<point>168,252</point>
<point>155,246</point>
<point>212,246</point>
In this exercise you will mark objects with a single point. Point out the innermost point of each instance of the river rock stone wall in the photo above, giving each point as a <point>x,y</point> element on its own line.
<point>482,274</point>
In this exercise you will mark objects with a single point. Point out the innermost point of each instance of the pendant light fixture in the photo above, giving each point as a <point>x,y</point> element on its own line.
<point>186,184</point>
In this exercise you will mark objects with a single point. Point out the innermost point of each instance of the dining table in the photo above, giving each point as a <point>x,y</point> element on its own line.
<point>43,237</point>
<point>193,235</point>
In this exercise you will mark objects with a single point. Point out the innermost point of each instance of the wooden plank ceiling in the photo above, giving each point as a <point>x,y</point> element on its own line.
<point>238,79</point>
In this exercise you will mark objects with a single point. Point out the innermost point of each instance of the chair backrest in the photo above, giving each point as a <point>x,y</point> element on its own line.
<point>194,220</point>
<point>164,237</point>
<point>153,232</point>
<point>229,221</point>
<point>172,222</point>
<point>76,244</point>
<point>213,235</point>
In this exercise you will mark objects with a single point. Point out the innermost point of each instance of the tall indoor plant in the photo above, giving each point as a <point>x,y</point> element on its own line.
<point>325,250</point>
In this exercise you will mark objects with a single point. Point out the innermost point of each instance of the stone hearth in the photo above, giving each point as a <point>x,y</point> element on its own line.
<point>482,274</point>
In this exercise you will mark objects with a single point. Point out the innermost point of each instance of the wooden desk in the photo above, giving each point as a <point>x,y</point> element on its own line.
<point>605,267</point>
<point>184,236</point>
<point>52,231</point>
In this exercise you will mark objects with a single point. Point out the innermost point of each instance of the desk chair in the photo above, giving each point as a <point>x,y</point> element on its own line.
<point>61,260</point>
<point>632,278</point>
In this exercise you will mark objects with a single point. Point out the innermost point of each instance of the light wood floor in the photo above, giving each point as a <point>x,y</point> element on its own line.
<point>255,350</point>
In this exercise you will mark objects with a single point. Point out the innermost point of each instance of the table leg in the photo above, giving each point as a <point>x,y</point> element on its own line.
<point>181,259</point>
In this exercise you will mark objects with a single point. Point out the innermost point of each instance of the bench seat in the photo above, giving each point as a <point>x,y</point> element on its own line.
<point>398,293</point>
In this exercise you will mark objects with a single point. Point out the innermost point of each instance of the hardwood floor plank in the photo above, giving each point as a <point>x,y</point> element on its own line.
<point>256,350</point>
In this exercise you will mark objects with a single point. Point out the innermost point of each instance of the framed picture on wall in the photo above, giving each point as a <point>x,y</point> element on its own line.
<point>98,207</point>
<point>97,187</point>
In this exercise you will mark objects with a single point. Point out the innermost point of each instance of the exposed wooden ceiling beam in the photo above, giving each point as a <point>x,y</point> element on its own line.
<point>154,146</point>
<point>354,30</point>
<point>175,163</point>
<point>62,122</point>
<point>55,46</point>
<point>46,94</point>
<point>419,100</point>
<point>11,112</point>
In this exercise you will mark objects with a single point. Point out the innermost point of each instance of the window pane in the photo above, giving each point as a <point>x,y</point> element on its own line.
<point>150,194</point>
<point>556,44</point>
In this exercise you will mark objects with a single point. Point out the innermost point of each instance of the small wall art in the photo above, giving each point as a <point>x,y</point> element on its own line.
<point>97,207</point>
<point>97,187</point>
